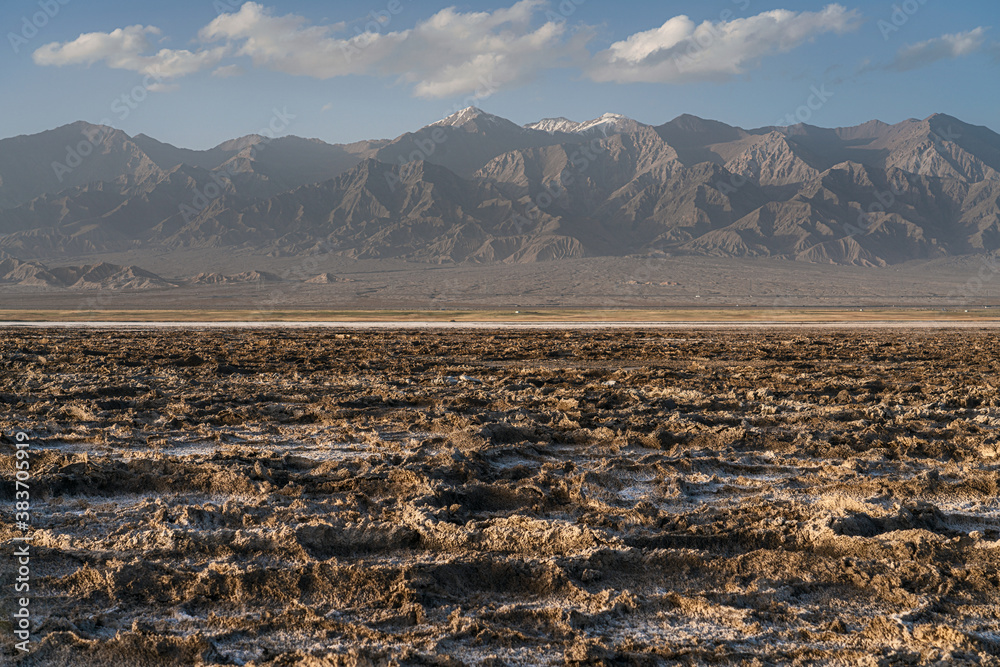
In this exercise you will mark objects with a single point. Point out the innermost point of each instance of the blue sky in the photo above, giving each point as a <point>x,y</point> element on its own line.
<point>197,72</point>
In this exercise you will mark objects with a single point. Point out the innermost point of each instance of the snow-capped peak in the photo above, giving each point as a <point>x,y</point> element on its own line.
<point>465,116</point>
<point>554,125</point>
<point>609,123</point>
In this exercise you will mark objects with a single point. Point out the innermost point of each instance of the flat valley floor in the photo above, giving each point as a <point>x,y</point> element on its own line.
<point>318,497</point>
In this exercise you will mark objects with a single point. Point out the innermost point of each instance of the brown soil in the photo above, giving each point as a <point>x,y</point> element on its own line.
<point>316,498</point>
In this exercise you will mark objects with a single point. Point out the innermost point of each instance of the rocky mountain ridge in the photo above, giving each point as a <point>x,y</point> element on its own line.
<point>475,187</point>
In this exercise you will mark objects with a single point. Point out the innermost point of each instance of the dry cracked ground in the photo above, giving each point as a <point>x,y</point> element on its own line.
<point>313,498</point>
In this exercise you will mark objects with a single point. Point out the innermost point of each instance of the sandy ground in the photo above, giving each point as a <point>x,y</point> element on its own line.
<point>647,496</point>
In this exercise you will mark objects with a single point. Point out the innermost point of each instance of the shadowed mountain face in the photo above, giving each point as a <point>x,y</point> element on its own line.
<point>477,188</point>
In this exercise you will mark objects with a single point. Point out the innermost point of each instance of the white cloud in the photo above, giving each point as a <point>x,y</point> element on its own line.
<point>486,51</point>
<point>451,53</point>
<point>946,47</point>
<point>123,49</point>
<point>228,71</point>
<point>681,51</point>
<point>455,53</point>
<point>283,43</point>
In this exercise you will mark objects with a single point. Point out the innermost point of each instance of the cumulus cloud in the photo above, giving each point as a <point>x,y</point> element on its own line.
<point>284,43</point>
<point>946,47</point>
<point>451,53</point>
<point>455,53</point>
<point>123,49</point>
<point>485,50</point>
<point>682,51</point>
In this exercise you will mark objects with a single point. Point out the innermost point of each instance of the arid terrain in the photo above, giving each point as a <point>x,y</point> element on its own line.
<point>306,497</point>
<point>589,283</point>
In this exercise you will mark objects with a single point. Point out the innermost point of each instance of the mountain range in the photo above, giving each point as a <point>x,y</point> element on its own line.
<point>475,187</point>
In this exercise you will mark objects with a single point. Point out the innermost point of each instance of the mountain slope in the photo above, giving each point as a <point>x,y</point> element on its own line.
<point>474,187</point>
<point>420,211</point>
<point>70,156</point>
